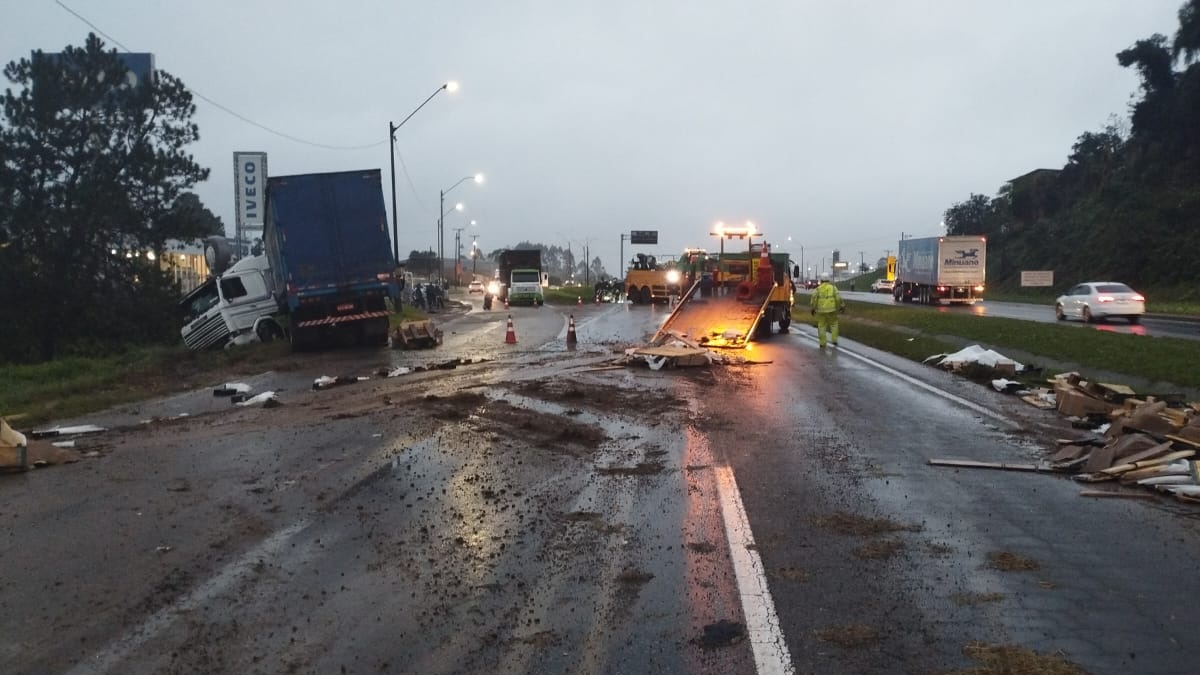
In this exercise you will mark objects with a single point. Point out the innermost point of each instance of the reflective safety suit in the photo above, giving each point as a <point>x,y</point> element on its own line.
<point>826,302</point>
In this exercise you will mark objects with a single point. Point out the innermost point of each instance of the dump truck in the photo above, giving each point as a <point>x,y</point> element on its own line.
<point>519,278</point>
<point>933,270</point>
<point>753,292</point>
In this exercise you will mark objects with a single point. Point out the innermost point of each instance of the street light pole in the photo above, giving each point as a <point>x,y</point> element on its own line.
<point>392,128</point>
<point>621,260</point>
<point>474,254</point>
<point>478,178</point>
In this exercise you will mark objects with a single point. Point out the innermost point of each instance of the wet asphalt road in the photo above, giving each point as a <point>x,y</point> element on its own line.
<point>544,512</point>
<point>1151,325</point>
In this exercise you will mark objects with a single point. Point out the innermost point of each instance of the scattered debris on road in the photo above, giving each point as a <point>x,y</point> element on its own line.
<point>325,381</point>
<point>1149,442</point>
<point>974,358</point>
<point>266,399</point>
<point>67,431</point>
<point>232,388</point>
<point>416,335</point>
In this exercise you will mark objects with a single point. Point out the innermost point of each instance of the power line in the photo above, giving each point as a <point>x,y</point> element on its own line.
<point>247,120</point>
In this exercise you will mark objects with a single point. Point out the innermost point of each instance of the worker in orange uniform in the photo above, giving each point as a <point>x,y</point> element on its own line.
<point>826,302</point>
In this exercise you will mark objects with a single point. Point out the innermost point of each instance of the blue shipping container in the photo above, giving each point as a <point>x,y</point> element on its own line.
<point>327,232</point>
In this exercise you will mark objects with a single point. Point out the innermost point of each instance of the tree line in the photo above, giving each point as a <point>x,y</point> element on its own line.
<point>1126,205</point>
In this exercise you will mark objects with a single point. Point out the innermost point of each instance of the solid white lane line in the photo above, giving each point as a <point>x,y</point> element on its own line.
<point>922,385</point>
<point>771,655</point>
<point>117,651</point>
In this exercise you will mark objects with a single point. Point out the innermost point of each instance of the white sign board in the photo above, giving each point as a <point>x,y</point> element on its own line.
<point>1043,278</point>
<point>250,189</point>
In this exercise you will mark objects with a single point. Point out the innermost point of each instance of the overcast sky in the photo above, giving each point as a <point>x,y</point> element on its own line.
<point>837,124</point>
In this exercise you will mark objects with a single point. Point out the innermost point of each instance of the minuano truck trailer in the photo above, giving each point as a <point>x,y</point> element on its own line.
<point>934,270</point>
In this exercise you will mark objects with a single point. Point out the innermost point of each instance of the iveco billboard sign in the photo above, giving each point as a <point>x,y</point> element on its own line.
<point>250,190</point>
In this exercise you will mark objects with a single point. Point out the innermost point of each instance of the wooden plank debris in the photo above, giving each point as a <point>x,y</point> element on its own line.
<point>1006,466</point>
<point>1117,495</point>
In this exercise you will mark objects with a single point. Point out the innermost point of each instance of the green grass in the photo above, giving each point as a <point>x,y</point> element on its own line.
<point>68,387</point>
<point>1160,359</point>
<point>568,294</point>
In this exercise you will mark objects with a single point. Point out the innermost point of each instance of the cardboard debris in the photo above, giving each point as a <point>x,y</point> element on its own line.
<point>13,448</point>
<point>416,335</point>
<point>673,357</point>
<point>1147,443</point>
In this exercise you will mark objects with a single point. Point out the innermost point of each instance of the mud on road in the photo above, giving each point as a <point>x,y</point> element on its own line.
<point>530,515</point>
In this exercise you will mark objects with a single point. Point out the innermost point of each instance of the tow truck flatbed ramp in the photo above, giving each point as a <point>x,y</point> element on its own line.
<point>714,321</point>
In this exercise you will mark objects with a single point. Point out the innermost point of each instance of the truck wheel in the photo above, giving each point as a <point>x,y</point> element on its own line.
<point>784,322</point>
<point>647,297</point>
<point>268,331</point>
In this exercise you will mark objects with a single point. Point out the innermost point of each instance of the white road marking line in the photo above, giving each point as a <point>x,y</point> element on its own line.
<point>107,659</point>
<point>928,387</point>
<point>771,655</point>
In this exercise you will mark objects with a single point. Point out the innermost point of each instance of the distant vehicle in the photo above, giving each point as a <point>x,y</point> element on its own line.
<point>882,286</point>
<point>812,283</point>
<point>475,286</point>
<point>1100,300</point>
<point>520,277</point>
<point>933,270</point>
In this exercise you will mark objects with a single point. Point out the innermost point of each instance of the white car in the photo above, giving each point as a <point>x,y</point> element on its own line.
<point>1100,300</point>
<point>882,286</point>
<point>475,286</point>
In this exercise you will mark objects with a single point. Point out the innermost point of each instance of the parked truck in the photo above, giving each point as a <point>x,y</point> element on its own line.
<point>933,270</point>
<point>327,268</point>
<point>519,278</point>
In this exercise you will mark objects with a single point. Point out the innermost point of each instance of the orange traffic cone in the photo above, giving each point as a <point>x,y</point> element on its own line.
<point>511,336</point>
<point>579,300</point>
<point>506,302</point>
<point>571,337</point>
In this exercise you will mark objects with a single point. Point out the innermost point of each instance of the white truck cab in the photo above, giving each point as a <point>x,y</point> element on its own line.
<point>235,308</point>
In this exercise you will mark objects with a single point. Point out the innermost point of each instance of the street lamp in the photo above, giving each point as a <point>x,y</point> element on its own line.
<point>450,87</point>
<point>478,178</point>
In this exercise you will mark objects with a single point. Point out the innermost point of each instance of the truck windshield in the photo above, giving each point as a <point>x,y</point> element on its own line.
<point>526,277</point>
<point>200,300</point>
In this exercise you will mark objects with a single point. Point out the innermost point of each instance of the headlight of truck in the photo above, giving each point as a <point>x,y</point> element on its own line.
<point>672,276</point>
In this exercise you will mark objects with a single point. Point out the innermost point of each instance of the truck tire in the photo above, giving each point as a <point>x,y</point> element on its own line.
<point>634,295</point>
<point>647,296</point>
<point>268,330</point>
<point>785,320</point>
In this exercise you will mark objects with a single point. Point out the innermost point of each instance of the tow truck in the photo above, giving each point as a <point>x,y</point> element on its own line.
<point>743,296</point>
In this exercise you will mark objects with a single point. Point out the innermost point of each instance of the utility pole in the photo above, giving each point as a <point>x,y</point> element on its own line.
<point>457,254</point>
<point>862,262</point>
<point>621,260</point>
<point>587,263</point>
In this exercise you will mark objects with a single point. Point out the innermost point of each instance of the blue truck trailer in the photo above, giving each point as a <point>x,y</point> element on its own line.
<point>327,241</point>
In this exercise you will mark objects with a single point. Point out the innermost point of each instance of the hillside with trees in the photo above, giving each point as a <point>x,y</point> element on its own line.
<point>1126,205</point>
